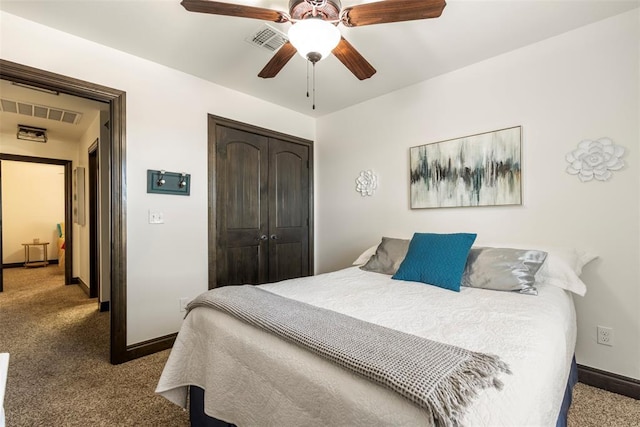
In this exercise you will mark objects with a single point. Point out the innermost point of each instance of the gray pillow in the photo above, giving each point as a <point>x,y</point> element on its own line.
<point>388,257</point>
<point>503,269</point>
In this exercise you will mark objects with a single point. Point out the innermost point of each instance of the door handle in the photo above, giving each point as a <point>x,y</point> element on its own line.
<point>263,237</point>
<point>274,237</point>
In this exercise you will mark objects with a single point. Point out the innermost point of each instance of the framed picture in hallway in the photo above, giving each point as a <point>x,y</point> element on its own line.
<point>78,196</point>
<point>476,170</point>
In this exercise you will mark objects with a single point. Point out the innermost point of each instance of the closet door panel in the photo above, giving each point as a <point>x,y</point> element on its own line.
<point>287,261</point>
<point>242,194</point>
<point>241,262</point>
<point>288,210</point>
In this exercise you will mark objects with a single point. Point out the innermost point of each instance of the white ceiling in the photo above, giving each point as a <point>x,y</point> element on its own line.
<point>214,47</point>
<point>56,129</point>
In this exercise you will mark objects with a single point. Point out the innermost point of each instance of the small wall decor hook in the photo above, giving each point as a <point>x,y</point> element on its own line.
<point>165,182</point>
<point>161,180</point>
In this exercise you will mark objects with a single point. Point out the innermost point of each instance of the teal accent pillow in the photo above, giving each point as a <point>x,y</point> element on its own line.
<point>436,259</point>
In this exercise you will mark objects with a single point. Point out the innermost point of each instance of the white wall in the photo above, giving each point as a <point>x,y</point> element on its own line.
<point>166,129</point>
<point>583,84</point>
<point>53,149</point>
<point>580,85</point>
<point>32,206</point>
<point>61,149</point>
<point>81,231</point>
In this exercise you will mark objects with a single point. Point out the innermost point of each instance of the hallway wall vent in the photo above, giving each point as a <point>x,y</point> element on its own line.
<point>40,111</point>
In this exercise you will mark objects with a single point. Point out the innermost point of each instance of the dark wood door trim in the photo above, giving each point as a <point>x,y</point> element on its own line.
<point>68,229</point>
<point>94,231</point>
<point>1,254</point>
<point>116,99</point>
<point>213,122</point>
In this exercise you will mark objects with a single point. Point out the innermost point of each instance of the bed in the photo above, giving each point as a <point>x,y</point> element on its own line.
<point>244,375</point>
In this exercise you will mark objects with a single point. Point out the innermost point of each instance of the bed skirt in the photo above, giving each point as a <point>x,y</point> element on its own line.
<point>200,419</point>
<point>568,393</point>
<point>196,410</point>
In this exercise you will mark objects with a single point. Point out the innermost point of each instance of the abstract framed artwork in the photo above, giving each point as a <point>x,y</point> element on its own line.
<point>78,196</point>
<point>475,170</point>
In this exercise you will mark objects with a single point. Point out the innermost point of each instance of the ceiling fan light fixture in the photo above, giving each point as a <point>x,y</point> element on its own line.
<point>314,38</point>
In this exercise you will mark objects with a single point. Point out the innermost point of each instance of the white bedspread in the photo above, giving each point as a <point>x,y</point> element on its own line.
<point>254,379</point>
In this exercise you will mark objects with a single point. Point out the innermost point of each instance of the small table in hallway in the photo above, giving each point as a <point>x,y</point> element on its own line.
<point>27,260</point>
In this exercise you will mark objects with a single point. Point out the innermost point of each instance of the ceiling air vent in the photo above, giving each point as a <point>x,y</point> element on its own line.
<point>40,111</point>
<point>267,37</point>
<point>9,106</point>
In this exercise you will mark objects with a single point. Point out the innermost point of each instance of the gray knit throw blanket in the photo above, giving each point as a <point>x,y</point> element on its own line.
<point>441,378</point>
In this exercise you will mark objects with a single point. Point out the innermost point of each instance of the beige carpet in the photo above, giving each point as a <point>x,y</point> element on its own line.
<point>593,407</point>
<point>59,373</point>
<point>59,370</point>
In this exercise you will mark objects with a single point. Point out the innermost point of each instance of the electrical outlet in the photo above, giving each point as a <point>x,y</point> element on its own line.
<point>605,335</point>
<point>183,303</point>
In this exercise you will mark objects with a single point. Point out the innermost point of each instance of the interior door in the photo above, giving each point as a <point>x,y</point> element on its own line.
<point>242,207</point>
<point>288,210</point>
<point>1,254</point>
<point>94,224</point>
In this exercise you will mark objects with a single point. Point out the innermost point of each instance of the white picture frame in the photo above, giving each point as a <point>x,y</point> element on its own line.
<point>79,195</point>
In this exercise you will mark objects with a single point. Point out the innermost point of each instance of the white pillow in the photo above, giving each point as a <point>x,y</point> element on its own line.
<point>562,267</point>
<point>555,271</point>
<point>364,256</point>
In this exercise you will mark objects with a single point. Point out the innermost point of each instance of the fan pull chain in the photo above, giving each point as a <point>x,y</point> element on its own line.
<point>312,57</point>
<point>308,78</point>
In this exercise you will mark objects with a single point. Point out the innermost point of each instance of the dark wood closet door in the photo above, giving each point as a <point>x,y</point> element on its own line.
<point>242,207</point>
<point>288,210</point>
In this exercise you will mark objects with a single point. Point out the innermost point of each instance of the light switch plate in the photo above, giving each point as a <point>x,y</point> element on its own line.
<point>156,217</point>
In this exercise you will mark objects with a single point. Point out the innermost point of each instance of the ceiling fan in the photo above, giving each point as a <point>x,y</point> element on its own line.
<point>314,32</point>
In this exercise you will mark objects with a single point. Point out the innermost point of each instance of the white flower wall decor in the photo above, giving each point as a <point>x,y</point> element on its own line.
<point>366,183</point>
<point>595,159</point>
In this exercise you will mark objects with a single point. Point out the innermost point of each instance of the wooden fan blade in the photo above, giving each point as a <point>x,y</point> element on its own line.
<point>351,58</point>
<point>229,9</point>
<point>382,12</point>
<point>278,61</point>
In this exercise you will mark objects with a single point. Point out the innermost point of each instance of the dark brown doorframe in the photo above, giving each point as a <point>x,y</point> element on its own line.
<point>68,229</point>
<point>1,254</point>
<point>94,230</point>
<point>115,187</point>
<point>119,351</point>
